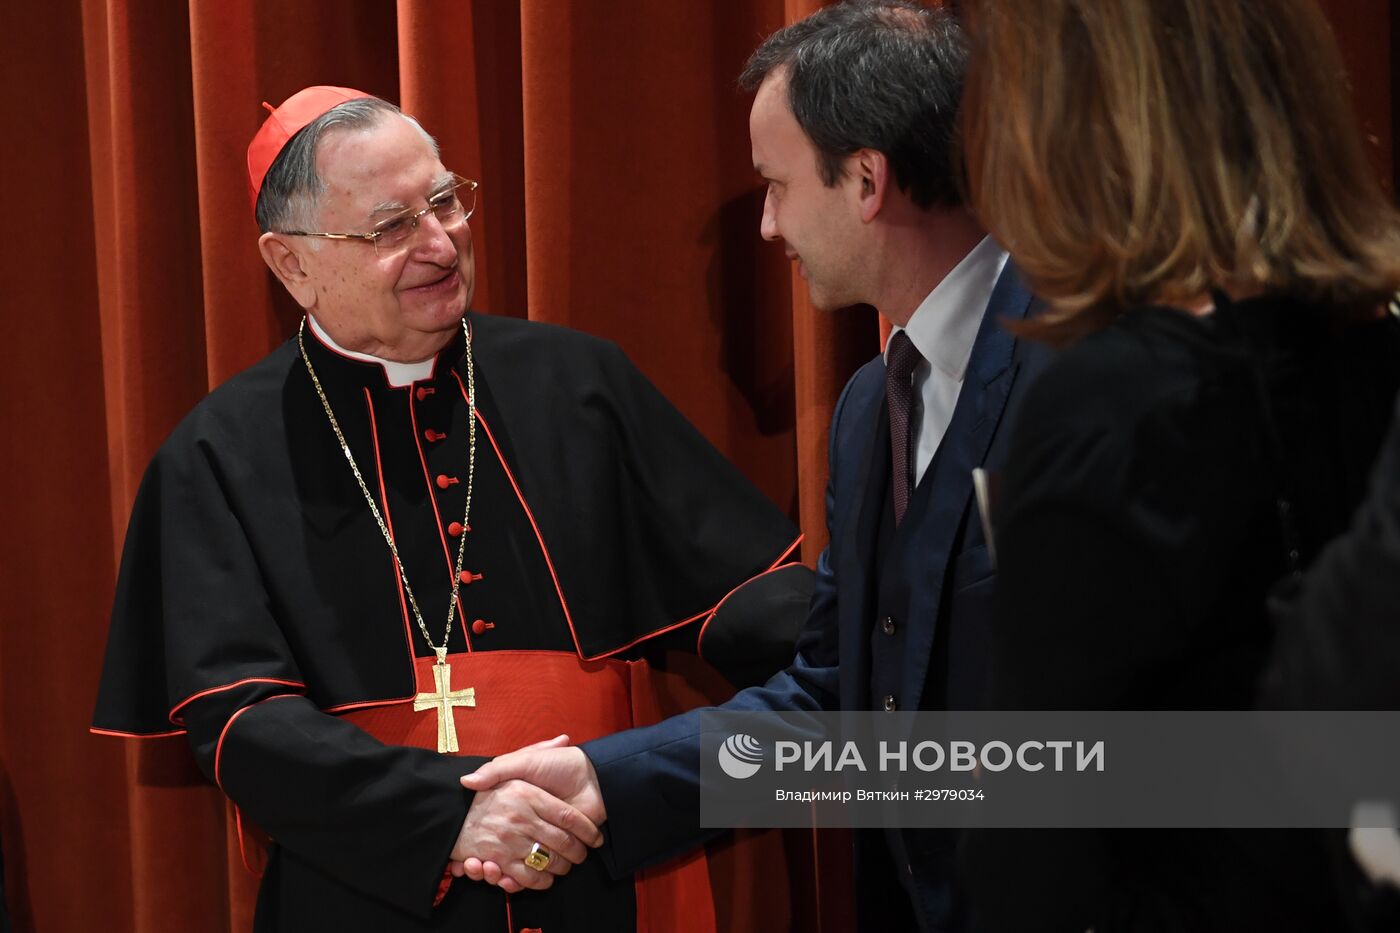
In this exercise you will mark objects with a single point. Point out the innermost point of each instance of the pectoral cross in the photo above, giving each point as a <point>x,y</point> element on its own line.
<point>443,701</point>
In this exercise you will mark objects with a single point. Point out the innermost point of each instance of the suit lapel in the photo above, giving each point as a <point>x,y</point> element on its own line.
<point>854,535</point>
<point>929,547</point>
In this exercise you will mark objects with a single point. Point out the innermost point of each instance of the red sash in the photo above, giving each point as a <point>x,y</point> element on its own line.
<point>528,696</point>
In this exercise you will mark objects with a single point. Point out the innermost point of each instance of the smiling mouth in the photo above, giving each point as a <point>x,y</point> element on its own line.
<point>448,278</point>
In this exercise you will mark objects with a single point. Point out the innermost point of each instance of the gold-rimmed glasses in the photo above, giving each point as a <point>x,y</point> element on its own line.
<point>451,205</point>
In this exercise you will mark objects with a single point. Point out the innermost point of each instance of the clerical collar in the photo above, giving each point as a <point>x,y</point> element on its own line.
<point>944,326</point>
<point>397,375</point>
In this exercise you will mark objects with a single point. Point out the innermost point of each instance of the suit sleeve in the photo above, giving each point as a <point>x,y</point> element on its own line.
<point>650,777</point>
<point>195,640</point>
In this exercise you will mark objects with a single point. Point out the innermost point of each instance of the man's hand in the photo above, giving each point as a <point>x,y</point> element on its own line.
<point>508,816</point>
<point>565,773</point>
<point>507,820</point>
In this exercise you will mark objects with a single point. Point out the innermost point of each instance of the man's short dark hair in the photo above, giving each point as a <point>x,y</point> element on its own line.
<point>875,74</point>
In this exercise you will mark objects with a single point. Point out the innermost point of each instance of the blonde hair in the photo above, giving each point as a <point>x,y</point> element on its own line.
<point>1139,151</point>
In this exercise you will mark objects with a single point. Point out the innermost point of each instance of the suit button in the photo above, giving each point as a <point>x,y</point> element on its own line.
<point>887,626</point>
<point>890,703</point>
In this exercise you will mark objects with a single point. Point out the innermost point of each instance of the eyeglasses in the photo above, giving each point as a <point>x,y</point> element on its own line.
<point>451,206</point>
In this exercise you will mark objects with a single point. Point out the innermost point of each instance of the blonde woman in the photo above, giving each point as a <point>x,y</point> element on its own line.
<point>1184,184</point>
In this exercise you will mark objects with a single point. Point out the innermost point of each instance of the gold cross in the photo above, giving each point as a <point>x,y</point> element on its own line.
<point>443,701</point>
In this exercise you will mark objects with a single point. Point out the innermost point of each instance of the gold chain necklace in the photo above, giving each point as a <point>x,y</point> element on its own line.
<point>445,697</point>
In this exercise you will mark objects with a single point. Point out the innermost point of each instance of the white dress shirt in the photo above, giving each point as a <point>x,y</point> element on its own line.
<point>397,374</point>
<point>943,329</point>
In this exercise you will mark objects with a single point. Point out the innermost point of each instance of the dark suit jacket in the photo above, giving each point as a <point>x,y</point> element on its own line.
<point>650,777</point>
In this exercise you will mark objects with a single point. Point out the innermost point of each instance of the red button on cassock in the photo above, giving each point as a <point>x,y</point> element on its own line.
<point>468,577</point>
<point>443,481</point>
<point>455,529</point>
<point>433,436</point>
<point>424,392</point>
<point>480,626</point>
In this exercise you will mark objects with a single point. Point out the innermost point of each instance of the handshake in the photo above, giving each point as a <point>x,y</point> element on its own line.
<point>535,815</point>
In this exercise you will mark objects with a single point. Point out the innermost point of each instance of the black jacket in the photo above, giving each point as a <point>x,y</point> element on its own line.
<point>1138,535</point>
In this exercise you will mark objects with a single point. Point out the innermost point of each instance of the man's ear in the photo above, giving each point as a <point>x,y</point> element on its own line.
<point>285,263</point>
<point>871,169</point>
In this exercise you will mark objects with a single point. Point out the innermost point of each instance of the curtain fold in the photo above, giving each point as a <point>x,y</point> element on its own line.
<point>617,197</point>
<point>459,74</point>
<point>149,296</point>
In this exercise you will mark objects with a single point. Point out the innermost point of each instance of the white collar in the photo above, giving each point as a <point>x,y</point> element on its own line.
<point>944,325</point>
<point>398,375</point>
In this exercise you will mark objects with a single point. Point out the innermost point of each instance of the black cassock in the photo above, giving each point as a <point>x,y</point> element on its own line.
<point>256,593</point>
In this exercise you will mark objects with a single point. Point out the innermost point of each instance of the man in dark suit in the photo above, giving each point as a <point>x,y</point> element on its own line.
<point>852,129</point>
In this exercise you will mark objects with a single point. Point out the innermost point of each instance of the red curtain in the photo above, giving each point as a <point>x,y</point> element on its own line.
<point>611,143</point>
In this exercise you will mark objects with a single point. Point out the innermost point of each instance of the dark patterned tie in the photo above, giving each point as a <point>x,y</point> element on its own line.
<point>899,390</point>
